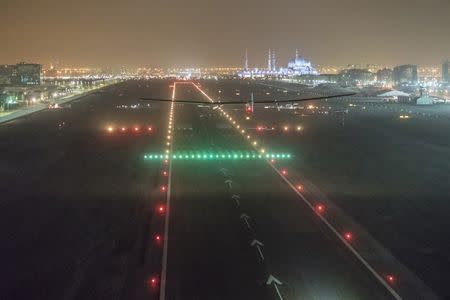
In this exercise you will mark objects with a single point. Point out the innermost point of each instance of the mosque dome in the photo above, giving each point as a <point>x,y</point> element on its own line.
<point>300,65</point>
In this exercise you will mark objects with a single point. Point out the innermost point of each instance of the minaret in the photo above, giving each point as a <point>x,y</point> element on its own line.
<point>274,61</point>
<point>269,61</point>
<point>246,61</point>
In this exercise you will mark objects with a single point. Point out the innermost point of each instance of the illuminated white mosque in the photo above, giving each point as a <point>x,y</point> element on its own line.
<point>296,66</point>
<point>301,66</point>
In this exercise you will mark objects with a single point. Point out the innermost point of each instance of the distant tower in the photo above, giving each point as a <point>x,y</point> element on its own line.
<point>446,71</point>
<point>246,61</point>
<point>274,61</point>
<point>269,61</point>
<point>296,54</point>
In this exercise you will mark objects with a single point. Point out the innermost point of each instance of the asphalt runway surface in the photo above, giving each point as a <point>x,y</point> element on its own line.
<point>80,206</point>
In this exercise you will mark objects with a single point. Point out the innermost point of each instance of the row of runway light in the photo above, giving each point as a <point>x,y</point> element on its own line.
<point>346,236</point>
<point>133,129</point>
<point>221,155</point>
<point>162,210</point>
<point>165,191</point>
<point>235,124</point>
<point>284,128</point>
<point>168,147</point>
<point>254,142</point>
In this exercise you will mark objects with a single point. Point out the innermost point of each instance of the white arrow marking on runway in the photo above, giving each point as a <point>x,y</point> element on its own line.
<point>258,245</point>
<point>245,218</point>
<point>236,198</point>
<point>223,171</point>
<point>275,282</point>
<point>229,182</point>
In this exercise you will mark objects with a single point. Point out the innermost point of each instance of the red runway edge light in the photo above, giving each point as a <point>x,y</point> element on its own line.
<point>161,209</point>
<point>348,236</point>
<point>320,208</point>
<point>390,278</point>
<point>153,282</point>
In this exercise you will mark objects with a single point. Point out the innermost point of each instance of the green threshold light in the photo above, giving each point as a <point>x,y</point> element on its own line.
<point>220,155</point>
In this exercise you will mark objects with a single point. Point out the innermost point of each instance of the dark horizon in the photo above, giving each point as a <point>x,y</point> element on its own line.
<point>210,34</point>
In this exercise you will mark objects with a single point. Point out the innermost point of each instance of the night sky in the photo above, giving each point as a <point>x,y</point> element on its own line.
<point>216,33</point>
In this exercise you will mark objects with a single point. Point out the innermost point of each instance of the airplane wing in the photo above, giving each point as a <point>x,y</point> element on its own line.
<point>246,102</point>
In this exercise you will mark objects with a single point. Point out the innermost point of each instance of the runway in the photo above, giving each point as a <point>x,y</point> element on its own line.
<point>87,216</point>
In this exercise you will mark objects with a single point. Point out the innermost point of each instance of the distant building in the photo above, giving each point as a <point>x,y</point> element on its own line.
<point>6,72</point>
<point>271,61</point>
<point>27,74</point>
<point>353,77</point>
<point>446,72</point>
<point>296,67</point>
<point>424,100</point>
<point>246,61</point>
<point>395,96</point>
<point>274,61</point>
<point>384,76</point>
<point>301,66</point>
<point>405,75</point>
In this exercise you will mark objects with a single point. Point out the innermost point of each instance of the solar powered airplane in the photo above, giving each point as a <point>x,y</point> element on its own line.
<point>249,105</point>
